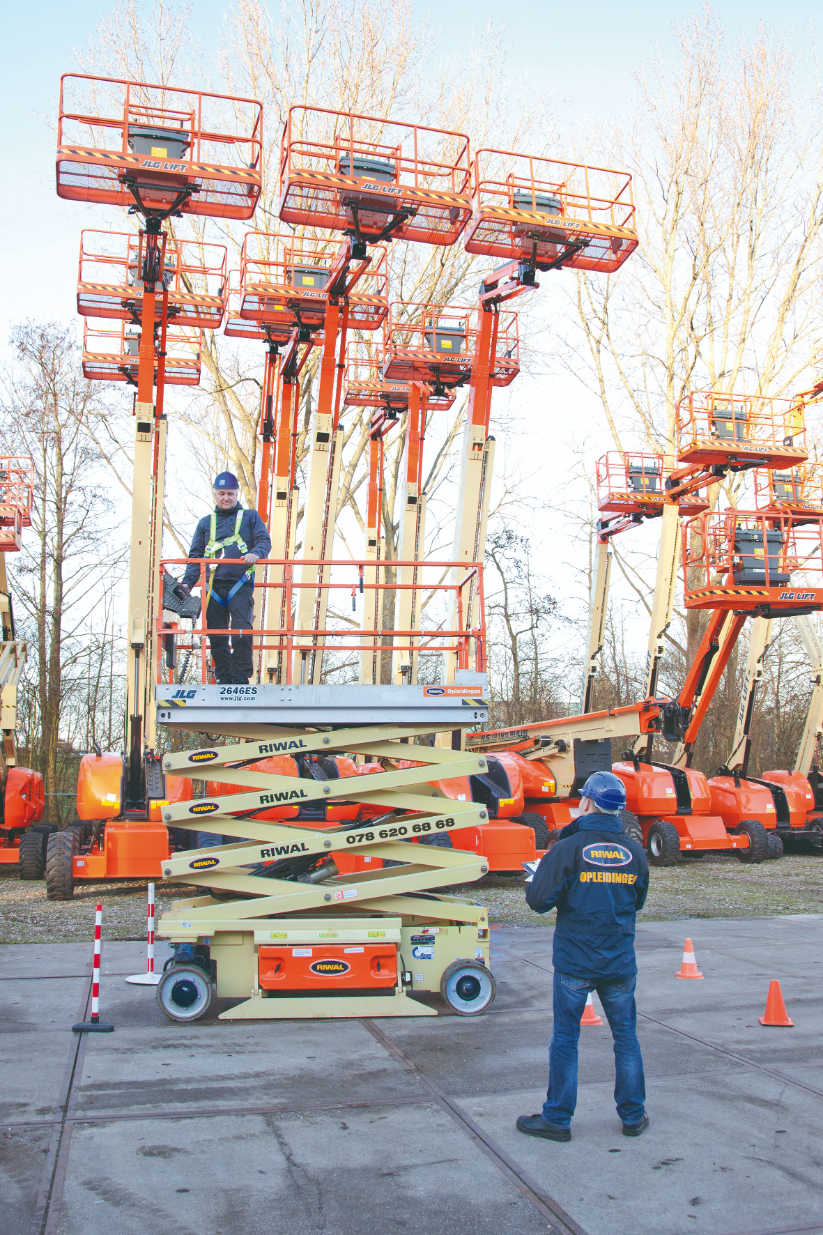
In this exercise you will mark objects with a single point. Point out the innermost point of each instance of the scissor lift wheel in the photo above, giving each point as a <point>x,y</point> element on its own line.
<point>60,851</point>
<point>467,987</point>
<point>184,992</point>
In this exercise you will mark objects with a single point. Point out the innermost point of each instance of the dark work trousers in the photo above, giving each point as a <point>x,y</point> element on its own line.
<point>233,665</point>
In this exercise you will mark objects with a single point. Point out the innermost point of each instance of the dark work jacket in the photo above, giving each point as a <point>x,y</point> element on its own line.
<point>598,878</point>
<point>252,531</point>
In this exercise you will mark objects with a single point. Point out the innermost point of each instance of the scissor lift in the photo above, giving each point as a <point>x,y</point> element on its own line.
<point>22,839</point>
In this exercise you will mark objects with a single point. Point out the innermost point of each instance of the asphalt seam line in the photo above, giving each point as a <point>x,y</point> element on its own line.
<point>560,1222</point>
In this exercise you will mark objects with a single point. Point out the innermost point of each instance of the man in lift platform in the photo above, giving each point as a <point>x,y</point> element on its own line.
<point>238,538</point>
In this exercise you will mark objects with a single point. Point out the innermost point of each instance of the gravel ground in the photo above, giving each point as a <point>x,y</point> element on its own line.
<point>714,887</point>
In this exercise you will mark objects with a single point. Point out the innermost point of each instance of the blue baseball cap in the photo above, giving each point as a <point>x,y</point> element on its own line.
<point>226,480</point>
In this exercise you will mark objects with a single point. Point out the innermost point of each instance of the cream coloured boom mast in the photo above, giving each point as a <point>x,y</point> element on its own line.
<point>760,640</point>
<point>813,728</point>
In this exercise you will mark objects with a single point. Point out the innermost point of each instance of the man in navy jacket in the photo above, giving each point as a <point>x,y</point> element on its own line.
<point>238,538</point>
<point>598,877</point>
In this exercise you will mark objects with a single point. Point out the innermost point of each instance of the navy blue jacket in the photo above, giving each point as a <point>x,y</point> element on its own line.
<point>252,531</point>
<point>598,878</point>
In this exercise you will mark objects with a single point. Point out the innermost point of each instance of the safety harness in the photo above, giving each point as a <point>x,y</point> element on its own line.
<point>215,547</point>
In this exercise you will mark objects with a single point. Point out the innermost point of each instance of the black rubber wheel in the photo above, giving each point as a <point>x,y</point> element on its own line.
<point>774,846</point>
<point>440,840</point>
<point>467,987</point>
<point>758,841</point>
<point>631,825</point>
<point>663,844</point>
<point>538,825</point>
<point>45,829</point>
<point>31,861</point>
<point>816,825</point>
<point>60,853</point>
<point>184,992</point>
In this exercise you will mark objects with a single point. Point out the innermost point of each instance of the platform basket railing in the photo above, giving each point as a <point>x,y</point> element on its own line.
<point>187,150</point>
<point>355,173</point>
<point>440,344</point>
<point>110,283</point>
<point>16,489</point>
<point>797,489</point>
<point>365,386</point>
<point>753,561</point>
<point>283,276</point>
<point>717,428</point>
<point>111,353</point>
<point>284,653</point>
<point>551,212</point>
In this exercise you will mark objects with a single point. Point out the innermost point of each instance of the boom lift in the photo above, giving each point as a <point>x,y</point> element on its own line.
<point>163,152</point>
<point>22,838</point>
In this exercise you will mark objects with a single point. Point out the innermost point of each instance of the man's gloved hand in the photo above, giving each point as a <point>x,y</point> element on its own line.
<point>250,559</point>
<point>182,591</point>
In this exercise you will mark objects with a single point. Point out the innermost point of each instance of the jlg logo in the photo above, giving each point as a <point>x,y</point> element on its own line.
<point>184,694</point>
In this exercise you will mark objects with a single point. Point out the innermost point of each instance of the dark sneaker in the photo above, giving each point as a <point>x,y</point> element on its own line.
<point>535,1125</point>
<point>636,1129</point>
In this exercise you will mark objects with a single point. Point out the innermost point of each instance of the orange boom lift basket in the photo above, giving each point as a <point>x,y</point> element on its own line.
<point>110,278</point>
<point>111,353</point>
<point>286,283</point>
<point>442,345</point>
<point>165,150</point>
<point>549,213</point>
<point>753,562</point>
<point>374,179</point>
<point>715,429</point>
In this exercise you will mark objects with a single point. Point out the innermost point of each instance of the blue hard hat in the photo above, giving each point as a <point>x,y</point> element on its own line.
<point>226,480</point>
<point>607,791</point>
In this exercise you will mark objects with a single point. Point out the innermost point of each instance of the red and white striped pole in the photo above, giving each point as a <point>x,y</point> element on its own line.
<point>95,1025</point>
<point>149,978</point>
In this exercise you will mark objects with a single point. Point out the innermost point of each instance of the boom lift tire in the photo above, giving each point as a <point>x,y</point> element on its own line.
<point>62,847</point>
<point>816,826</point>
<point>663,844</point>
<point>631,826</point>
<point>538,825</point>
<point>774,847</point>
<point>439,840</point>
<point>184,992</point>
<point>30,862</point>
<point>758,841</point>
<point>467,987</point>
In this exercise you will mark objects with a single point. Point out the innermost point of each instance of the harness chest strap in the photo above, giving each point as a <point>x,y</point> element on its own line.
<point>215,545</point>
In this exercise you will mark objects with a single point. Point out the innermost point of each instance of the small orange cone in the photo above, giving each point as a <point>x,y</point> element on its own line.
<point>775,1007</point>
<point>589,1016</point>
<point>688,968</point>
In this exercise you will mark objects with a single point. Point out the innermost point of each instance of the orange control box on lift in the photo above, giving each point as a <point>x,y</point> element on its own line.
<point>322,968</point>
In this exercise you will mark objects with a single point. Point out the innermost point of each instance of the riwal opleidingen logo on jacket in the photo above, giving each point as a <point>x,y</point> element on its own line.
<point>608,854</point>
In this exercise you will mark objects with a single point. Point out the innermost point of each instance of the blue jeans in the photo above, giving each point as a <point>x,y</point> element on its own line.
<point>618,1003</point>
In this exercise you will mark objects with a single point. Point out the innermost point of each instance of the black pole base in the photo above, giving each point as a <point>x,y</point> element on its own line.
<point>92,1027</point>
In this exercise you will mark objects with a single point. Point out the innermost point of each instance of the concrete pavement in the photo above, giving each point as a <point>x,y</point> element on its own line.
<point>375,1127</point>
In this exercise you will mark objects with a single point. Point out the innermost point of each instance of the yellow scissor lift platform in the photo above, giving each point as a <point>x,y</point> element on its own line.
<point>298,939</point>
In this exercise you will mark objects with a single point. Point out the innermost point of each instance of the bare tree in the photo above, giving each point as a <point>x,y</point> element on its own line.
<point>71,553</point>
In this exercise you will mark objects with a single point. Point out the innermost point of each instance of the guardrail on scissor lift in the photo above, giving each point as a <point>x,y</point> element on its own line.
<point>285,652</point>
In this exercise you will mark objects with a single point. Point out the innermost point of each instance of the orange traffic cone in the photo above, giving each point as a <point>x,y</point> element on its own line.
<point>775,1007</point>
<point>589,1016</point>
<point>688,968</point>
